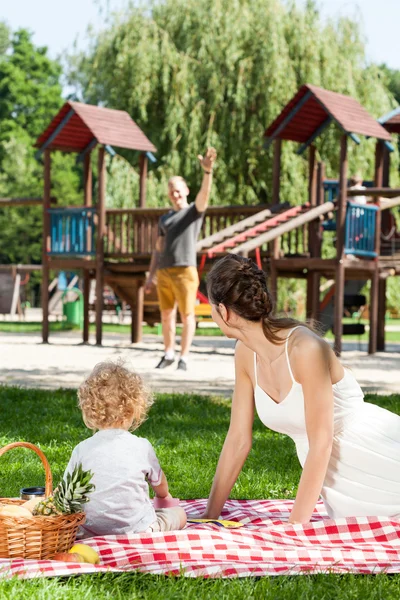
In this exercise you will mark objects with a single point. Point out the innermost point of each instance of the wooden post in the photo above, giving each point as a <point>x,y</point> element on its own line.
<point>313,277</point>
<point>87,179</point>
<point>273,280</point>
<point>137,313</point>
<point>86,292</point>
<point>87,184</point>
<point>373,311</point>
<point>276,171</point>
<point>381,314</point>
<point>386,167</point>
<point>378,180</point>
<point>101,217</point>
<point>340,233</point>
<point>374,294</point>
<point>46,246</point>
<point>320,183</point>
<point>143,163</point>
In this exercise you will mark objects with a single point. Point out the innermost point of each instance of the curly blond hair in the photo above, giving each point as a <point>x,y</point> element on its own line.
<point>112,396</point>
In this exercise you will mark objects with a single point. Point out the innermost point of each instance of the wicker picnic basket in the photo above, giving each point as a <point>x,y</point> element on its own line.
<point>40,537</point>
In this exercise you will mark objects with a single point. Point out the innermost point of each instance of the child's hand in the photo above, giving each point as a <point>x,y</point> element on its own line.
<point>167,497</point>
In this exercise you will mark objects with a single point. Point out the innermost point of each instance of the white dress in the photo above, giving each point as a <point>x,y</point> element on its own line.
<point>363,475</point>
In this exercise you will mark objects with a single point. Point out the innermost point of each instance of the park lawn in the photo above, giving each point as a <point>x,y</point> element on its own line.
<point>36,327</point>
<point>187,432</point>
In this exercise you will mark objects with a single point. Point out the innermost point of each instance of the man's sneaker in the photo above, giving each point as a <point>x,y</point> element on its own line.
<point>182,366</point>
<point>165,362</point>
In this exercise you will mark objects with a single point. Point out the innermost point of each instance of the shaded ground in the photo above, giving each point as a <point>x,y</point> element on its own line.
<point>65,361</point>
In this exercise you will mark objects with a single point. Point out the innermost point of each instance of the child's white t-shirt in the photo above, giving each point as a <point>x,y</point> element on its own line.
<point>121,463</point>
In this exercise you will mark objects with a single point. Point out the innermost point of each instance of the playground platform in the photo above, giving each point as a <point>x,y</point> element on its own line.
<point>63,363</point>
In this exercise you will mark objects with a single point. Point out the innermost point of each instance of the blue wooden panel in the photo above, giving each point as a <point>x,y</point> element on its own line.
<point>360,230</point>
<point>69,231</point>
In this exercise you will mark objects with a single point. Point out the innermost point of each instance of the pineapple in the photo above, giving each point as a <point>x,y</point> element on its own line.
<point>69,495</point>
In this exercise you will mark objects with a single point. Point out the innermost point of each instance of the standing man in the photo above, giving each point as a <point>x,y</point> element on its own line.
<point>175,261</point>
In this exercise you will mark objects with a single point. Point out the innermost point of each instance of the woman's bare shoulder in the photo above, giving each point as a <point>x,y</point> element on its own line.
<point>244,357</point>
<point>307,340</point>
<point>307,348</point>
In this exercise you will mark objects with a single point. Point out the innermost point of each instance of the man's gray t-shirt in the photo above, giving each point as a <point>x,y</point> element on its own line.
<point>180,230</point>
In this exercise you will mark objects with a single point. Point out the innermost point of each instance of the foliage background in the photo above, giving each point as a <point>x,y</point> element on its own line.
<point>191,74</point>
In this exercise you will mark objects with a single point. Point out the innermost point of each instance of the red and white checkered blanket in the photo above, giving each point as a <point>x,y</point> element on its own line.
<point>266,545</point>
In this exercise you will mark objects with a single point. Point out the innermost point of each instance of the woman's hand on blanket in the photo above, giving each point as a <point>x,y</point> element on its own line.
<point>297,522</point>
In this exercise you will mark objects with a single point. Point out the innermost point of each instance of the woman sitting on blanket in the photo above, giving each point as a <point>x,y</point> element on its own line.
<point>349,450</point>
<point>114,400</point>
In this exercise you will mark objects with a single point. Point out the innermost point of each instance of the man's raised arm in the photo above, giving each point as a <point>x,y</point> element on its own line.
<point>207,164</point>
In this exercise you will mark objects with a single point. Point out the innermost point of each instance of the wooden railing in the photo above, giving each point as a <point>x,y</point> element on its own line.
<point>133,232</point>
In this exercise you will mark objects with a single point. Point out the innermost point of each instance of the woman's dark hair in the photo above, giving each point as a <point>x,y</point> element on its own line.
<point>238,284</point>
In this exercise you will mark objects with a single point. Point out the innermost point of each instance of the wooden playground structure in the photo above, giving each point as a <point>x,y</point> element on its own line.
<point>114,246</point>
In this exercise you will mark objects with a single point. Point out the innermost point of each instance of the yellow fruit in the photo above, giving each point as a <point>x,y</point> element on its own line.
<point>87,553</point>
<point>13,510</point>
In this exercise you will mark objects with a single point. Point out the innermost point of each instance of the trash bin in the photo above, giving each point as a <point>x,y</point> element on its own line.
<point>73,311</point>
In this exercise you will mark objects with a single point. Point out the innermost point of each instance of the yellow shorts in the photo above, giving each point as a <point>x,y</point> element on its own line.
<point>178,284</point>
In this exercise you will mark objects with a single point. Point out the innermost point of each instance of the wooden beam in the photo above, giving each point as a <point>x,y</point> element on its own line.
<point>306,264</point>
<point>339,307</point>
<point>101,213</point>
<point>88,193</point>
<point>24,201</point>
<point>46,246</point>
<point>373,311</point>
<point>71,263</point>
<point>313,226</point>
<point>273,280</point>
<point>382,192</point>
<point>55,133</point>
<point>289,117</point>
<point>320,183</point>
<point>143,164</point>
<point>20,268</point>
<point>380,346</point>
<point>88,180</point>
<point>276,171</point>
<point>386,167</point>
<point>86,292</point>
<point>312,299</point>
<point>137,313</point>
<point>342,199</point>
<point>378,179</point>
<point>314,136</point>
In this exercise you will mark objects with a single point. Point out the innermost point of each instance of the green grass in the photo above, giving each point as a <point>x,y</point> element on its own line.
<point>187,432</point>
<point>36,327</point>
<point>27,327</point>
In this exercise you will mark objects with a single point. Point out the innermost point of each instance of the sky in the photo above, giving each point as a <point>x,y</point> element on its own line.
<point>57,24</point>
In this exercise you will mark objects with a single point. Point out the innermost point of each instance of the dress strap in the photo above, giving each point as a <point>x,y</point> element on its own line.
<point>255,367</point>
<point>287,353</point>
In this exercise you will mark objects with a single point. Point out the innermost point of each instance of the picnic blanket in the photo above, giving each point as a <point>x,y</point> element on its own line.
<point>265,545</point>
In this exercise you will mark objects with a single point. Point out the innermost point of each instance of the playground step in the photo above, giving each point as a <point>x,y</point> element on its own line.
<point>256,230</point>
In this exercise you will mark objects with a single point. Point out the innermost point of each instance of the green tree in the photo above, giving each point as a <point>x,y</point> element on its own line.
<point>393,80</point>
<point>219,71</point>
<point>30,95</point>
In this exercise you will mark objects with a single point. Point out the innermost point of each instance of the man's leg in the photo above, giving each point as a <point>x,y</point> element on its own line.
<point>185,287</point>
<point>189,327</point>
<point>168,321</point>
<point>168,311</point>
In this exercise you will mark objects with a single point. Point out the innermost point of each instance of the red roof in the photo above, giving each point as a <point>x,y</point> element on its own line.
<point>312,106</point>
<point>88,122</point>
<point>391,121</point>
